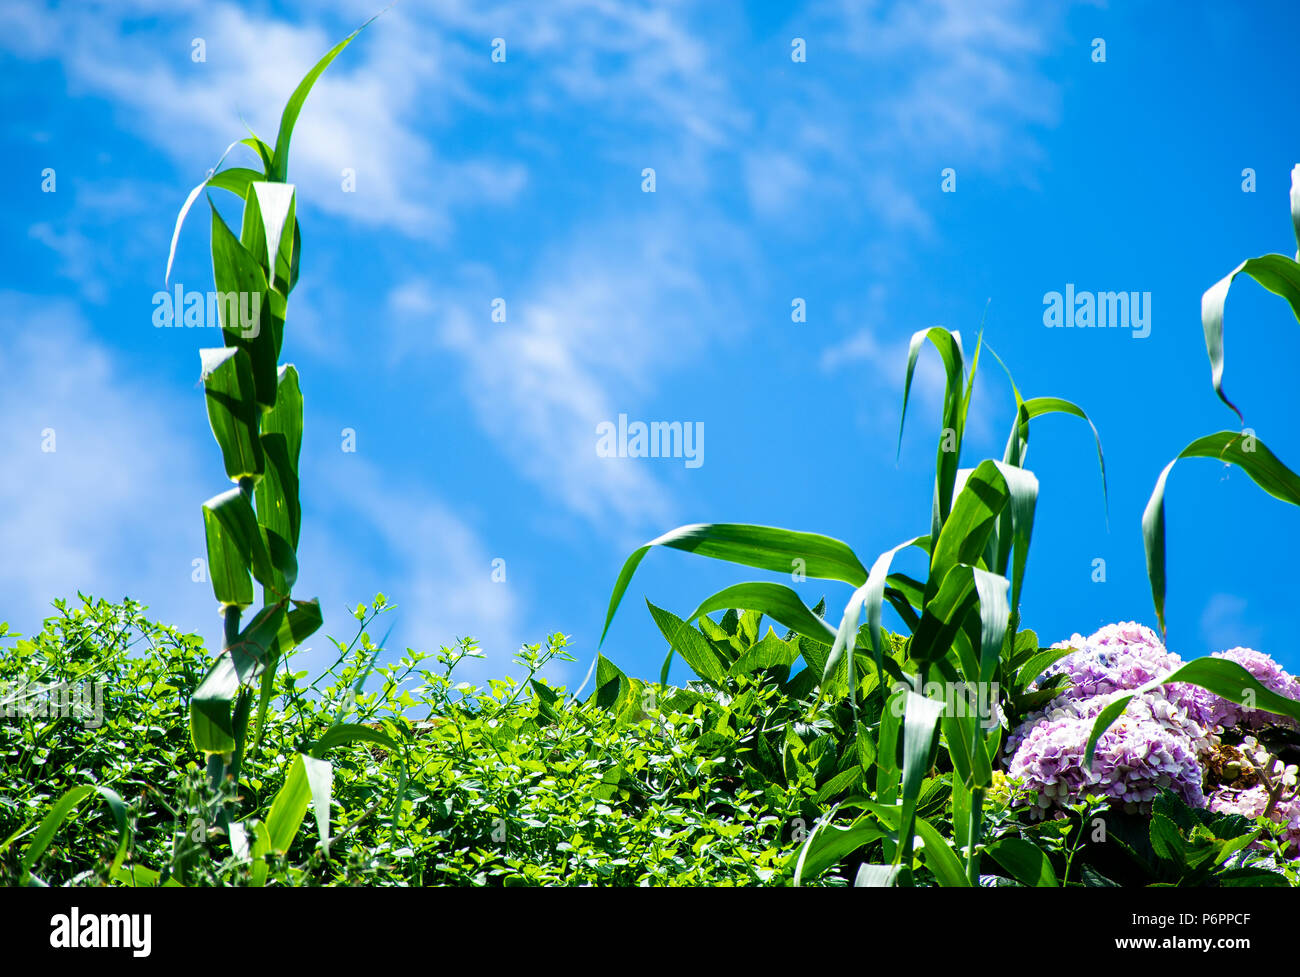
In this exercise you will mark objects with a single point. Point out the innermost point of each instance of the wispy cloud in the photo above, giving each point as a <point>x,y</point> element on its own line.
<point>434,566</point>
<point>363,115</point>
<point>104,488</point>
<point>597,319</point>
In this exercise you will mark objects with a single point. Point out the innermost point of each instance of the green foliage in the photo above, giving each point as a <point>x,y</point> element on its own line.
<point>510,783</point>
<point>962,621</point>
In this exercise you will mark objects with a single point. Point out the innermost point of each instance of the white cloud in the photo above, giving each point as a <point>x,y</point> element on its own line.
<point>363,113</point>
<point>114,508</point>
<point>420,555</point>
<point>585,335</point>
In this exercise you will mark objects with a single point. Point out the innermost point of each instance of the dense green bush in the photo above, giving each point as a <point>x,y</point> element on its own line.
<point>513,783</point>
<point>741,780</point>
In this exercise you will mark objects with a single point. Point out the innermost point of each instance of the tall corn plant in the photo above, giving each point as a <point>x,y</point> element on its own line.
<point>963,623</point>
<point>1281,276</point>
<point>255,408</point>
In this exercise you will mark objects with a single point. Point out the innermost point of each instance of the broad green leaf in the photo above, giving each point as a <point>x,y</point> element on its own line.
<point>233,412</point>
<point>691,645</point>
<point>1232,447</point>
<point>276,492</point>
<point>1025,862</point>
<point>771,652</point>
<point>1167,841</point>
<point>777,601</point>
<point>875,876</point>
<point>940,858</point>
<point>830,844</point>
<point>290,805</point>
<point>242,291</point>
<point>1277,273</point>
<point>870,595</point>
<point>275,204</point>
<point>227,564</point>
<point>920,722</point>
<point>761,547</point>
<point>240,535</point>
<point>299,623</point>
<point>972,519</point>
<point>320,779</point>
<point>286,416</point>
<point>1221,676</point>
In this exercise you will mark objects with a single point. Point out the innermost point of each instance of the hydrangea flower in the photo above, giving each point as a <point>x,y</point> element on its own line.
<point>1269,674</point>
<point>1158,706</point>
<point>1135,758</point>
<point>1252,802</point>
<point>1125,656</point>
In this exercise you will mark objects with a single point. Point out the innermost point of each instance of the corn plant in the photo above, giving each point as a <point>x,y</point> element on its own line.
<point>255,409</point>
<point>962,622</point>
<point>1281,276</point>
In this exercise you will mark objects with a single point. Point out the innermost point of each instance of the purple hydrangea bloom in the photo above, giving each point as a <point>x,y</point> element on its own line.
<point>1123,657</point>
<point>1135,758</point>
<point>1269,674</point>
<point>1252,802</point>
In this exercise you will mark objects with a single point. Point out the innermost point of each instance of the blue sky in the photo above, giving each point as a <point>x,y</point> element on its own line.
<point>522,180</point>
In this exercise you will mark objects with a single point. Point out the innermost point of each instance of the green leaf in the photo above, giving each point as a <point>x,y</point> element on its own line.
<point>691,645</point>
<point>1167,841</point>
<point>870,595</point>
<point>305,783</point>
<point>239,538</point>
<point>212,727</point>
<point>286,416</point>
<point>275,206</point>
<point>1237,448</point>
<point>875,876</point>
<point>278,169</point>
<point>972,519</point>
<point>233,412</point>
<point>777,601</point>
<point>1221,676</point>
<point>761,547</point>
<point>940,858</point>
<point>949,346</point>
<point>234,179</point>
<point>1277,273</point>
<point>278,508</point>
<point>830,844</point>
<point>242,289</point>
<point>920,722</point>
<point>771,652</point>
<point>1024,861</point>
<point>1252,877</point>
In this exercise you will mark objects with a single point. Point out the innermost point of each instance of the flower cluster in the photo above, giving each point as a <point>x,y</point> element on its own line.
<point>1269,674</point>
<point>1162,740</point>
<point>1135,758</point>
<point>1253,802</point>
